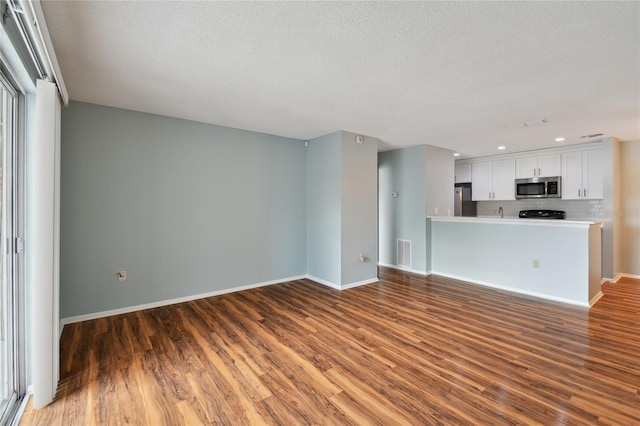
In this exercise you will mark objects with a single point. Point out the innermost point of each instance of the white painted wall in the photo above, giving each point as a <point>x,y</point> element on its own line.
<point>43,241</point>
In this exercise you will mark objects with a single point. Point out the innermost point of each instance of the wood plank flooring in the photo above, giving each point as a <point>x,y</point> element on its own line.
<point>407,350</point>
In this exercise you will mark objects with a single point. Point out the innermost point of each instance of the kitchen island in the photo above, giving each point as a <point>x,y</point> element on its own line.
<point>553,259</point>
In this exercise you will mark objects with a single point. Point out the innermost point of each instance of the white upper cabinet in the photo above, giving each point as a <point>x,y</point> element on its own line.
<point>482,181</point>
<point>572,175</point>
<point>462,173</point>
<point>504,175</point>
<point>526,167</point>
<point>593,174</point>
<point>539,166</point>
<point>549,165</point>
<point>493,180</point>
<point>582,175</point>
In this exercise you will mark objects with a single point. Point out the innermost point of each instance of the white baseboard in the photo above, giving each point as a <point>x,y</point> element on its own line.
<point>595,298</point>
<point>514,290</point>
<point>359,283</point>
<point>128,309</point>
<point>621,275</point>
<point>338,286</point>
<point>324,282</point>
<point>402,268</point>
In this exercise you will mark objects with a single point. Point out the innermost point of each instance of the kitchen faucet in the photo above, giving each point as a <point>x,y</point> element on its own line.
<point>501,212</point>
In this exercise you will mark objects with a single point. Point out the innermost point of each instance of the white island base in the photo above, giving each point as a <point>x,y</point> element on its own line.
<point>553,259</point>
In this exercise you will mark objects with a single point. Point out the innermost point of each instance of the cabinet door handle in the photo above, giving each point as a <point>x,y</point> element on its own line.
<point>534,171</point>
<point>584,191</point>
<point>578,193</point>
<point>538,171</point>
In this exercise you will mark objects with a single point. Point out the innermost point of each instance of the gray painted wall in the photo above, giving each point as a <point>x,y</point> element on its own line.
<point>359,209</point>
<point>630,209</point>
<point>439,177</point>
<point>611,202</point>
<point>323,187</point>
<point>402,171</point>
<point>438,173</point>
<point>184,207</point>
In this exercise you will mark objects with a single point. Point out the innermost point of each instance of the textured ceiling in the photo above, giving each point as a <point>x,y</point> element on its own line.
<point>450,74</point>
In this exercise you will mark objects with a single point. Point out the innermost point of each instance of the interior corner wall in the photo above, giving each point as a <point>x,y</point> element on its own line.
<point>402,171</point>
<point>617,208</point>
<point>185,208</point>
<point>439,170</point>
<point>629,253</point>
<point>323,188</point>
<point>610,204</point>
<point>359,219</point>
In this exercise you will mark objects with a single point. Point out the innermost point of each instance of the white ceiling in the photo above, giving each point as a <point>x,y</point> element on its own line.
<point>450,74</point>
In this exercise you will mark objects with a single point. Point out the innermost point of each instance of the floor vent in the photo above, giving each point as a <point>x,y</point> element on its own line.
<point>404,253</point>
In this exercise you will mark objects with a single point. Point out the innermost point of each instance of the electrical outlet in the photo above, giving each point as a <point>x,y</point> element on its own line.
<point>535,263</point>
<point>122,276</point>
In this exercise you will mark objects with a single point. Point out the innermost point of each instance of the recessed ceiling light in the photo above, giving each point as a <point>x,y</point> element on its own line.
<point>559,139</point>
<point>456,154</point>
<point>502,147</point>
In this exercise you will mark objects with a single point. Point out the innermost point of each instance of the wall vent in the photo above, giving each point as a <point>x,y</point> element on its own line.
<point>404,253</point>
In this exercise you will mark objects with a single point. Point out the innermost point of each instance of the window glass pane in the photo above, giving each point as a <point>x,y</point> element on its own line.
<point>8,286</point>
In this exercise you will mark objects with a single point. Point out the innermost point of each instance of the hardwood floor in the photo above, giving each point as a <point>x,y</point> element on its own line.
<point>407,350</point>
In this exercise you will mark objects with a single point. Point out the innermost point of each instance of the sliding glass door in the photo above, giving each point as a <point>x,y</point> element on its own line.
<point>11,306</point>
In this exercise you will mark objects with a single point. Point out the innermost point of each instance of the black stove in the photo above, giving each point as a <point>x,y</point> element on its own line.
<point>541,214</point>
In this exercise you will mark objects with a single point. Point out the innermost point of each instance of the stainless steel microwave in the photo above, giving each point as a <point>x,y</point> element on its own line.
<point>539,187</point>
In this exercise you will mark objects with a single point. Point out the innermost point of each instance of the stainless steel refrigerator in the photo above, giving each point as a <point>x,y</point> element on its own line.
<point>462,204</point>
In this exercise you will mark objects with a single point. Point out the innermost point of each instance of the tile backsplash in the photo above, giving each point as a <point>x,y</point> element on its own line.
<point>575,209</point>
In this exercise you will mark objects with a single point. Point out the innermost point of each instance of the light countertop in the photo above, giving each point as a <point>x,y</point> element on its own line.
<point>495,220</point>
